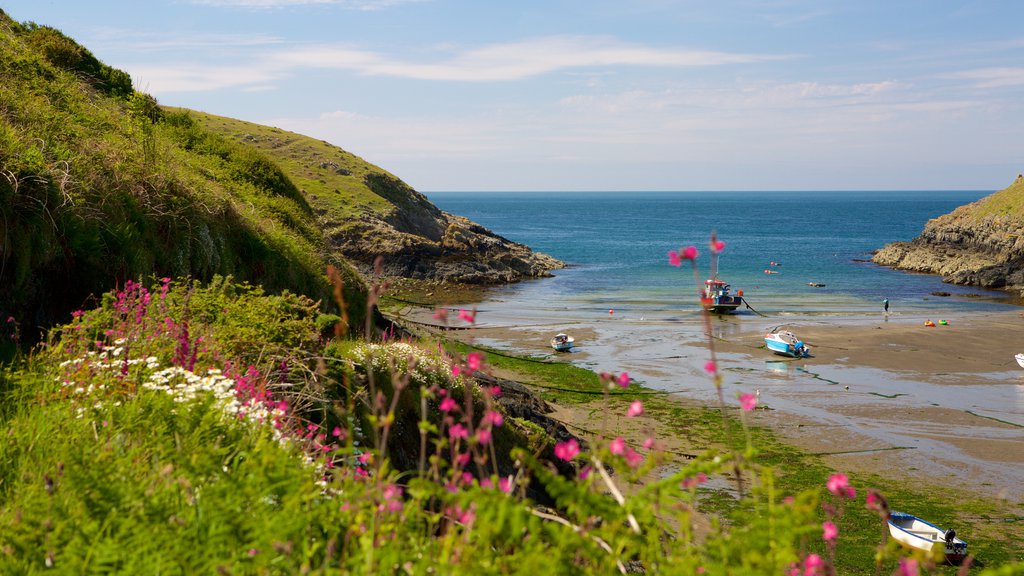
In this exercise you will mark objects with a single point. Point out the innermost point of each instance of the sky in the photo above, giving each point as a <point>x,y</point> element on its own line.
<point>551,95</point>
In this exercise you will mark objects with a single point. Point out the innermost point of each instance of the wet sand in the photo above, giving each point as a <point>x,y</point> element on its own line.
<point>942,406</point>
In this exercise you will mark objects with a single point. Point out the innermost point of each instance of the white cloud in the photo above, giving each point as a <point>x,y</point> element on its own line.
<point>991,77</point>
<point>160,80</point>
<point>516,60</point>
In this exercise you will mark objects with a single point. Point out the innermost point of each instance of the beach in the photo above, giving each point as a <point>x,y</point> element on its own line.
<point>881,394</point>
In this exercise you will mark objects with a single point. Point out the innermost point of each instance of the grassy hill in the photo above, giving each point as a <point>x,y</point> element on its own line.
<point>98,185</point>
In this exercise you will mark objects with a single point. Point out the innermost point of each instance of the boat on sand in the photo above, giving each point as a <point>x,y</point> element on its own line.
<point>717,297</point>
<point>786,343</point>
<point>913,532</point>
<point>1020,359</point>
<point>562,342</point>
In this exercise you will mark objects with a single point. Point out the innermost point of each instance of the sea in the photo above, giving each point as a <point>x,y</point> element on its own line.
<point>616,246</point>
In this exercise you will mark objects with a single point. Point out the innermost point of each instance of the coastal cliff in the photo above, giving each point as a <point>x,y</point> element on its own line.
<point>366,213</point>
<point>100,185</point>
<point>979,244</point>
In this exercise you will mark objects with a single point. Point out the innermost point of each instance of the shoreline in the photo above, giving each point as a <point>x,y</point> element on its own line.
<point>941,405</point>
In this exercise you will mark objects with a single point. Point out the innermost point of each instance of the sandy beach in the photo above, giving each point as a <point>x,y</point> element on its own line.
<point>882,394</point>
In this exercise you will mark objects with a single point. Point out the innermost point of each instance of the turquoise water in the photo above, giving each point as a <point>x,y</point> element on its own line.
<point>616,245</point>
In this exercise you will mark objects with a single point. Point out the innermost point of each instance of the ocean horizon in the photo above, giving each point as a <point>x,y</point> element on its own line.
<point>615,245</point>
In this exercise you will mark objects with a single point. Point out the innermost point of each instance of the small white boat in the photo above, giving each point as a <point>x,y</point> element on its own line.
<point>562,342</point>
<point>1020,359</point>
<point>913,532</point>
<point>786,343</point>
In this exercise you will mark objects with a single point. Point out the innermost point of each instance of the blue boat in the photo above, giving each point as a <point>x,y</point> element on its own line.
<point>786,343</point>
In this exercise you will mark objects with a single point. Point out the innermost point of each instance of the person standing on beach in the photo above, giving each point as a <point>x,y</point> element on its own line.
<point>885,305</point>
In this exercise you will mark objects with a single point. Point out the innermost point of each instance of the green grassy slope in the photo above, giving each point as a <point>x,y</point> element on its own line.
<point>99,185</point>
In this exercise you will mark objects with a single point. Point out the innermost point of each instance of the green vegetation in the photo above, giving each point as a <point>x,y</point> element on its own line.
<point>99,185</point>
<point>234,420</point>
<point>1008,202</point>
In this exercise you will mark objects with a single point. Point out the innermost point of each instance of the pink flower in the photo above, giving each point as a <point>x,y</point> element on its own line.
<point>567,450</point>
<point>456,370</point>
<point>495,418</point>
<point>495,391</point>
<point>812,563</point>
<point>839,485</point>
<point>623,380</point>
<point>448,404</point>
<point>908,567</point>
<point>635,409</point>
<point>674,259</point>
<point>617,446</point>
<point>336,432</point>
<point>717,246</point>
<point>748,401</point>
<point>458,431</point>
<point>711,367</point>
<point>505,484</point>
<point>440,314</point>
<point>694,481</point>
<point>474,360</point>
<point>829,531</point>
<point>648,443</point>
<point>483,436</point>
<point>468,316</point>
<point>463,459</point>
<point>633,458</point>
<point>690,253</point>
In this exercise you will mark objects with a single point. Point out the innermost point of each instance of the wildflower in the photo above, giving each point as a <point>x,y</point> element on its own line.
<point>717,246</point>
<point>440,314</point>
<point>448,404</point>
<point>648,443</point>
<point>468,316</point>
<point>635,409</point>
<point>694,481</point>
<point>483,436</point>
<point>839,485</point>
<point>617,446</point>
<point>336,432</point>
<point>495,391</point>
<point>455,371</point>
<point>623,380</point>
<point>463,458</point>
<point>474,360</point>
<point>748,401</point>
<point>494,417</point>
<point>711,367</point>
<point>505,484</point>
<point>811,564</point>
<point>876,503</point>
<point>674,259</point>
<point>567,450</point>
<point>908,567</point>
<point>689,253</point>
<point>458,431</point>
<point>633,458</point>
<point>585,472</point>
<point>829,531</point>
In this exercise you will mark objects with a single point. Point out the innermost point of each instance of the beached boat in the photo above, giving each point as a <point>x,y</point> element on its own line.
<point>1020,359</point>
<point>913,532</point>
<point>786,343</point>
<point>815,284</point>
<point>718,298</point>
<point>562,342</point>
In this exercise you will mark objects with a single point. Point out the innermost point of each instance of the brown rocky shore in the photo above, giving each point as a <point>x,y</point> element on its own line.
<point>979,244</point>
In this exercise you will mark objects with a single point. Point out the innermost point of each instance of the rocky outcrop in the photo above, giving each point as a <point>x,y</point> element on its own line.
<point>980,244</point>
<point>417,240</point>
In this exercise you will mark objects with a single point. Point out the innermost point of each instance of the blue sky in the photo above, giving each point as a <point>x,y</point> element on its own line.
<point>594,94</point>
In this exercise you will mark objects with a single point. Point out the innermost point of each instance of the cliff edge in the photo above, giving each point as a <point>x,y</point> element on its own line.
<point>979,244</point>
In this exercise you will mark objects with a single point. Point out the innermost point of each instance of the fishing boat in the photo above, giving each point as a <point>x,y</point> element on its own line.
<point>717,297</point>
<point>562,342</point>
<point>815,284</point>
<point>1020,359</point>
<point>786,343</point>
<point>913,532</point>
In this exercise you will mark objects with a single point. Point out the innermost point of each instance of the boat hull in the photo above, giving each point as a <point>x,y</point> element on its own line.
<point>913,532</point>
<point>779,345</point>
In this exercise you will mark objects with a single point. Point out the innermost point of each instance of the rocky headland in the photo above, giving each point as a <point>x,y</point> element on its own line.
<point>979,244</point>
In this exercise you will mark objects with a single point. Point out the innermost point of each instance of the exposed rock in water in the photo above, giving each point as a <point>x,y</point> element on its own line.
<point>980,244</point>
<point>417,240</point>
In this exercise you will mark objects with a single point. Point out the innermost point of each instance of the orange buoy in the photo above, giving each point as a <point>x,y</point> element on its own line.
<point>929,323</point>
<point>739,292</point>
